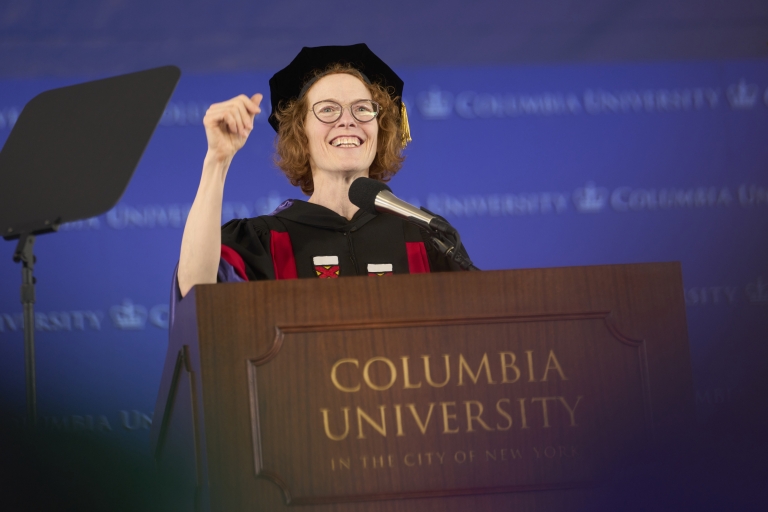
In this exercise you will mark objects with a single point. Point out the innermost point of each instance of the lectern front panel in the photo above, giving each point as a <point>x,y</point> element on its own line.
<point>445,406</point>
<point>510,390</point>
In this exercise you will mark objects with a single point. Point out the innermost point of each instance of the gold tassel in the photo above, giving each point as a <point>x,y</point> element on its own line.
<point>405,128</point>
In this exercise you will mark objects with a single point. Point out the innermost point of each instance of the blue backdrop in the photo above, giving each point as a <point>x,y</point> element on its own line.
<point>537,166</point>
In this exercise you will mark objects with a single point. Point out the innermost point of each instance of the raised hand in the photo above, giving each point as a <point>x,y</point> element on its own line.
<point>228,124</point>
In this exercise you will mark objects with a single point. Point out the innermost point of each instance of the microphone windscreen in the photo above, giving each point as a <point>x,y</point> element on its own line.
<point>363,192</point>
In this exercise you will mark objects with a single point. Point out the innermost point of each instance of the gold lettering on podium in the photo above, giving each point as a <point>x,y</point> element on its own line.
<point>343,463</point>
<point>503,413</point>
<point>328,428</point>
<point>392,373</point>
<point>551,452</point>
<point>523,419</point>
<point>553,364</point>
<point>505,367</point>
<point>422,425</point>
<point>529,356</point>
<point>509,370</point>
<point>477,418</point>
<point>399,420</point>
<point>474,417</point>
<point>458,416</point>
<point>503,455</point>
<point>447,417</point>
<point>336,381</point>
<point>381,429</point>
<point>571,410</point>
<point>544,409</point>
<point>417,460</point>
<point>407,375</point>
<point>428,373</point>
<point>474,376</point>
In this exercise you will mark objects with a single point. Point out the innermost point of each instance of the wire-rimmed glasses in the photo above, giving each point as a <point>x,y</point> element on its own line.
<point>328,111</point>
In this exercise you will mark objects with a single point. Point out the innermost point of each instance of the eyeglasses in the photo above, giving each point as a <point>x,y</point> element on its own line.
<point>327,111</point>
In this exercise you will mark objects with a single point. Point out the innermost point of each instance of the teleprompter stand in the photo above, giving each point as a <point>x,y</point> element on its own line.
<point>70,156</point>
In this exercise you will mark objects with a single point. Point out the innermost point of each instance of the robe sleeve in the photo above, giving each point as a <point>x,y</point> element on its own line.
<point>231,267</point>
<point>244,257</point>
<point>245,251</point>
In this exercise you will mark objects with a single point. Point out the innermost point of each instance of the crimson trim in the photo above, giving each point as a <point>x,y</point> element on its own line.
<point>283,260</point>
<point>417,258</point>
<point>230,256</point>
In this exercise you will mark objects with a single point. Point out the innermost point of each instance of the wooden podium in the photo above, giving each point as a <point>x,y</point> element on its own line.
<point>502,390</point>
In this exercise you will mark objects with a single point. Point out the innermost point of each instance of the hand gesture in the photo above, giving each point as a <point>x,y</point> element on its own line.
<point>228,124</point>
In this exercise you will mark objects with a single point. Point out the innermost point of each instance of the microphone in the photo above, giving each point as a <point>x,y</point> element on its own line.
<point>374,196</point>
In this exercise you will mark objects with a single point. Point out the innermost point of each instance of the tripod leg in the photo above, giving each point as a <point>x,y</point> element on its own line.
<point>25,254</point>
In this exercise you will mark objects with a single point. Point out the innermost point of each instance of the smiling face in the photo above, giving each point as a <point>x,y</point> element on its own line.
<point>346,145</point>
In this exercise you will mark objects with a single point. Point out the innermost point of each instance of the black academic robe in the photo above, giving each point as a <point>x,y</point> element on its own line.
<point>306,240</point>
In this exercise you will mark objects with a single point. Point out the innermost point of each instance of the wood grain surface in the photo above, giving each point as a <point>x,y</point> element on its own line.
<point>317,393</point>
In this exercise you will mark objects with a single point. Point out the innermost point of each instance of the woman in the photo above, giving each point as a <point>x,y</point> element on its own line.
<point>337,112</point>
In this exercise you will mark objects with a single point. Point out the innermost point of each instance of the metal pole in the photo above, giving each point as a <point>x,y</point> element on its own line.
<point>25,254</point>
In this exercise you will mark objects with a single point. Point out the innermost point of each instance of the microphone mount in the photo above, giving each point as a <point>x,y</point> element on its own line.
<point>376,197</point>
<point>447,241</point>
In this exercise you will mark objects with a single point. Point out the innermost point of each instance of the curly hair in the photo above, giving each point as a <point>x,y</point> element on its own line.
<point>291,145</point>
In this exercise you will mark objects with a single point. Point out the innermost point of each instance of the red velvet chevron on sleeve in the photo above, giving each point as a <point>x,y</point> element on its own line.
<point>230,256</point>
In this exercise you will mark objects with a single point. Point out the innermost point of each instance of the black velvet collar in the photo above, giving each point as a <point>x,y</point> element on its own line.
<point>321,217</point>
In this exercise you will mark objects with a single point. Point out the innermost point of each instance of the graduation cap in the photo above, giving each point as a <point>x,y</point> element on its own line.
<point>297,77</point>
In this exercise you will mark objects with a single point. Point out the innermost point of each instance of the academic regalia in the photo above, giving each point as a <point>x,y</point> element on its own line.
<point>305,240</point>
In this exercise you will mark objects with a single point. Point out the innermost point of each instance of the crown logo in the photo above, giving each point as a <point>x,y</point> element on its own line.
<point>435,104</point>
<point>742,95</point>
<point>757,291</point>
<point>590,199</point>
<point>128,316</point>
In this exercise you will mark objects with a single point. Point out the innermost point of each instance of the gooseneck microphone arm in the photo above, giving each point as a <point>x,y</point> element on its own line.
<point>385,201</point>
<point>376,197</point>
<point>448,242</point>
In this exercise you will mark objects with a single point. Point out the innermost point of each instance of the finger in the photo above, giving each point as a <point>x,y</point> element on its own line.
<point>246,116</point>
<point>215,114</point>
<point>230,122</point>
<point>253,103</point>
<point>234,110</point>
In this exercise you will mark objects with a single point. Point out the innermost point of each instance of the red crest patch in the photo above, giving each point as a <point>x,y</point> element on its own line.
<point>379,269</point>
<point>326,267</point>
